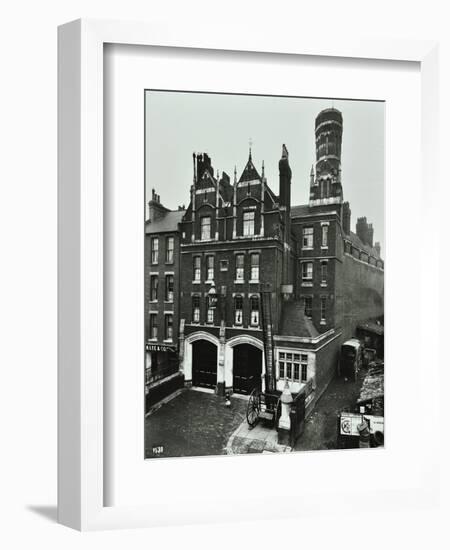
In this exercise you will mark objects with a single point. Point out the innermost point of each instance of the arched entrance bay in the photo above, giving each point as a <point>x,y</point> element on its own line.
<point>204,364</point>
<point>247,368</point>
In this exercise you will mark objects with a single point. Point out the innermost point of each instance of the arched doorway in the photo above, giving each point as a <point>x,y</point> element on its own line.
<point>204,364</point>
<point>247,368</point>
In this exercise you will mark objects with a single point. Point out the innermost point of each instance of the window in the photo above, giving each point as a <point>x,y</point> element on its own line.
<point>209,311</point>
<point>223,265</point>
<point>304,367</point>
<point>281,371</point>
<point>169,288</point>
<point>293,366</point>
<point>155,248</point>
<point>308,236</point>
<point>239,267</point>
<point>289,365</point>
<point>169,250</point>
<point>307,271</point>
<point>197,268</point>
<point>254,271</point>
<point>324,272</point>
<point>209,268</point>
<point>323,308</point>
<point>205,228</point>
<point>308,306</point>
<point>238,303</point>
<point>254,311</point>
<point>249,223</point>
<point>196,309</point>
<point>169,327</point>
<point>153,327</point>
<point>324,236</point>
<point>153,288</point>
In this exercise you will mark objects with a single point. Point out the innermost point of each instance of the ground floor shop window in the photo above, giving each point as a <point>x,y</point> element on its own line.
<point>160,364</point>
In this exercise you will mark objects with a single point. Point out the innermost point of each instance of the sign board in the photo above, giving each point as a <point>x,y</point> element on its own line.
<point>348,424</point>
<point>159,347</point>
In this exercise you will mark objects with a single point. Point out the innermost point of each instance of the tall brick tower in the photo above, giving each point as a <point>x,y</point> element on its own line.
<point>326,186</point>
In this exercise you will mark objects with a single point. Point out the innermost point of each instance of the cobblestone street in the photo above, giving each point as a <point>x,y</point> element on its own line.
<point>320,430</point>
<point>194,423</point>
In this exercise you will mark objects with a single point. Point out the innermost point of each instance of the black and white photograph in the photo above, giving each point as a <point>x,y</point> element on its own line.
<point>264,274</point>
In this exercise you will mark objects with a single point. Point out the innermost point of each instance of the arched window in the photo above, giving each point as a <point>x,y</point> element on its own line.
<point>254,311</point>
<point>238,307</point>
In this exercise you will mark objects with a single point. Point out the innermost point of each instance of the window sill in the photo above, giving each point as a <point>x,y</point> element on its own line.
<point>323,322</point>
<point>309,284</point>
<point>168,341</point>
<point>196,282</point>
<point>240,282</point>
<point>153,301</point>
<point>209,282</point>
<point>254,282</point>
<point>324,248</point>
<point>168,301</point>
<point>323,284</point>
<point>307,248</point>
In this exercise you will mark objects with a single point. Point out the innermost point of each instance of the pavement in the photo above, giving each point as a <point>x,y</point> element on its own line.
<point>320,431</point>
<point>192,423</point>
<point>197,423</point>
<point>260,439</point>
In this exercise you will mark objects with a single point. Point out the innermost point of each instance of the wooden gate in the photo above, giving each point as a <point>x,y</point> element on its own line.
<point>247,368</point>
<point>204,364</point>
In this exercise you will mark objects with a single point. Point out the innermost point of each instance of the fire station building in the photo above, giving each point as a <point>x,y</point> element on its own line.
<point>261,284</point>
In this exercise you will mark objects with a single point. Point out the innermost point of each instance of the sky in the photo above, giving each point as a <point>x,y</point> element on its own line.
<point>222,125</point>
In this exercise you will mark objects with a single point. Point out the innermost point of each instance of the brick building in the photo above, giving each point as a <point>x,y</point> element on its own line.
<point>162,282</point>
<point>249,260</point>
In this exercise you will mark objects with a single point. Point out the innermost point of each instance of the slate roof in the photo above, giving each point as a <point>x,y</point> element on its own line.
<point>167,223</point>
<point>295,323</point>
<point>299,210</point>
<point>370,326</point>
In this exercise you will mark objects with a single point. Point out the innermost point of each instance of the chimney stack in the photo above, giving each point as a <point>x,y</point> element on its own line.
<point>362,229</point>
<point>285,179</point>
<point>346,217</point>
<point>370,235</point>
<point>155,209</point>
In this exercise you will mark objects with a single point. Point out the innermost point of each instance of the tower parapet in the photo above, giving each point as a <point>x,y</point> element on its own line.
<point>326,186</point>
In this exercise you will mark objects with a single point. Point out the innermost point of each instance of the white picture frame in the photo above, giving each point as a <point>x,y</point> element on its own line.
<point>81,484</point>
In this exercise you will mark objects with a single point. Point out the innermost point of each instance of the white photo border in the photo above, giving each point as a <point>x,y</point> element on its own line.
<point>81,278</point>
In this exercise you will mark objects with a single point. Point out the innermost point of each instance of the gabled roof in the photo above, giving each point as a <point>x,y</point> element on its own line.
<point>165,224</point>
<point>250,173</point>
